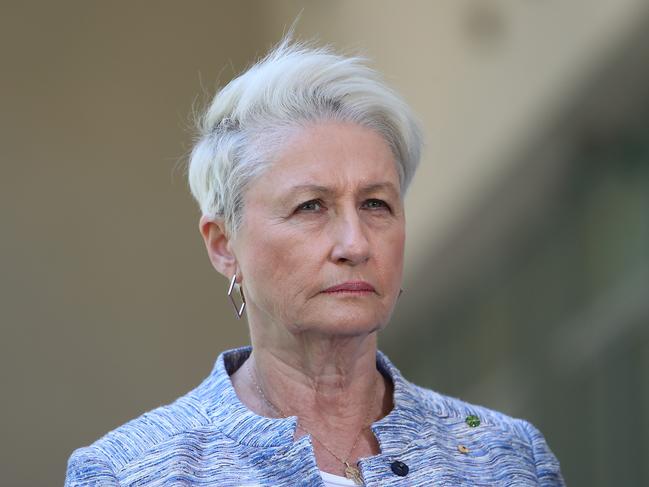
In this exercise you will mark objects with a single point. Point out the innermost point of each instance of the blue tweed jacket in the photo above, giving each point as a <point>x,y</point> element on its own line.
<point>208,437</point>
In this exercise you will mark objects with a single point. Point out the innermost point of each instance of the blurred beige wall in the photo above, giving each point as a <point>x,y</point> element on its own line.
<point>109,305</point>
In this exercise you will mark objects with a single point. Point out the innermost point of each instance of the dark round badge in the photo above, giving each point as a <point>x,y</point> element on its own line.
<point>399,468</point>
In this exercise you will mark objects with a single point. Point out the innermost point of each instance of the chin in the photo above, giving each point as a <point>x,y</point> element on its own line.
<point>345,323</point>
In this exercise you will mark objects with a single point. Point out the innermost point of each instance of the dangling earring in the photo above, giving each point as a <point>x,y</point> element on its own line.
<point>238,310</point>
<point>400,293</point>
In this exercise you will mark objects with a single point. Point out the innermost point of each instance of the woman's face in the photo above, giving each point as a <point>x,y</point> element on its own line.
<point>328,212</point>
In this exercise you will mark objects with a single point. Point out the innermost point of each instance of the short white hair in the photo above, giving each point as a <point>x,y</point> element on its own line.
<point>294,84</point>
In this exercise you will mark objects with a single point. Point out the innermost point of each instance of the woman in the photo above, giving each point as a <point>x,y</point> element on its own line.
<point>300,172</point>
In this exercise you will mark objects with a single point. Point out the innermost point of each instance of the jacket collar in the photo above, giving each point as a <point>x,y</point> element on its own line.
<point>235,420</point>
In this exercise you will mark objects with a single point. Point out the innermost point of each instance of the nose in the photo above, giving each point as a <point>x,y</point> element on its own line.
<point>351,245</point>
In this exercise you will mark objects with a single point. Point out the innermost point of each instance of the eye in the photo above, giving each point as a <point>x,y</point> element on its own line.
<point>310,206</point>
<point>376,204</point>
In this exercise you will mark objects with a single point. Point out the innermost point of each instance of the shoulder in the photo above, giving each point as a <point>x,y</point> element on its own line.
<point>90,466</point>
<point>433,408</point>
<point>100,462</point>
<point>158,444</point>
<point>435,405</point>
<point>486,429</point>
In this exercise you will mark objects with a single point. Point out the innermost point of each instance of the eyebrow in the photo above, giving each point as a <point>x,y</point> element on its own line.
<point>316,188</point>
<point>380,186</point>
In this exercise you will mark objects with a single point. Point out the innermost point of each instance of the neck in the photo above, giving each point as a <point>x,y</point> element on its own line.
<point>329,382</point>
<point>318,377</point>
<point>331,385</point>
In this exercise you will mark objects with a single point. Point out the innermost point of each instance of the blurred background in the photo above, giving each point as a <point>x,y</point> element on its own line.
<point>527,277</point>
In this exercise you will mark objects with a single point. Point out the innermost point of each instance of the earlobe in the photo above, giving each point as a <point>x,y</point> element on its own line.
<point>217,244</point>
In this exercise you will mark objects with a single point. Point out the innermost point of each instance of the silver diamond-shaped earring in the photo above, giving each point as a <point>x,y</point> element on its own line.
<point>237,309</point>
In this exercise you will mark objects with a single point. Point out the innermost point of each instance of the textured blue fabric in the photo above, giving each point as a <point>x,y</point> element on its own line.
<point>208,437</point>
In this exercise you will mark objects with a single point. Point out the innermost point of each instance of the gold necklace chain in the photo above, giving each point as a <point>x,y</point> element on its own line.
<point>351,471</point>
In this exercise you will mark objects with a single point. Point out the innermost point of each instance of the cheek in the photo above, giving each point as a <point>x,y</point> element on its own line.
<point>397,243</point>
<point>392,250</point>
<point>275,268</point>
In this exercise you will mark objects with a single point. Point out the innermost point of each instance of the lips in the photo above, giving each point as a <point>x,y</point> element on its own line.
<point>351,286</point>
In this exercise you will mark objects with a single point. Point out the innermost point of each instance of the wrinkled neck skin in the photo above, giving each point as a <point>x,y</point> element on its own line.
<point>329,382</point>
<point>317,376</point>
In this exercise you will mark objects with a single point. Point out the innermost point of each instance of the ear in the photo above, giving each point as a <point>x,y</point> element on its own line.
<point>218,246</point>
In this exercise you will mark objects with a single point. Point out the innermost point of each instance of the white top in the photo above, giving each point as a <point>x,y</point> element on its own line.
<point>331,480</point>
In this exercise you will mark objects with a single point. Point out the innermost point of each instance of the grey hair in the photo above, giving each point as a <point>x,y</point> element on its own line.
<point>294,84</point>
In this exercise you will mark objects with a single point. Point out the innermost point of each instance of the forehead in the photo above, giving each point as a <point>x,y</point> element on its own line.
<point>336,155</point>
